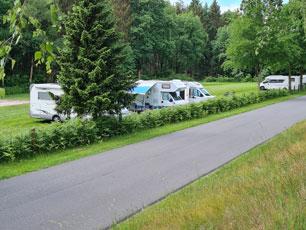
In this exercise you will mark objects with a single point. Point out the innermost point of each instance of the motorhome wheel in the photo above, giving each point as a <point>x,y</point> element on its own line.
<point>56,119</point>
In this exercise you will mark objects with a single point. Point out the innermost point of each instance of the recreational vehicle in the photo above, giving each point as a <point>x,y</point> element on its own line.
<point>157,94</point>
<point>281,82</point>
<point>42,106</point>
<point>195,92</point>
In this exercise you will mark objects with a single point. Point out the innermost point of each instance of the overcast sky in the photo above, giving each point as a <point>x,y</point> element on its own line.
<point>224,4</point>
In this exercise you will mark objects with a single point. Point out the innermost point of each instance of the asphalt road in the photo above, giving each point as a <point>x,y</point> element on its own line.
<point>93,192</point>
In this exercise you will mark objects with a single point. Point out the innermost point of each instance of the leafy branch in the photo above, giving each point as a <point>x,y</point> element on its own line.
<point>18,18</point>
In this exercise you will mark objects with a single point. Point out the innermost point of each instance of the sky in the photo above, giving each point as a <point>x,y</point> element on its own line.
<point>224,4</point>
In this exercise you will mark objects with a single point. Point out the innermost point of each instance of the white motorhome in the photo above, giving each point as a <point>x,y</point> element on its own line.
<point>157,94</point>
<point>195,92</point>
<point>42,106</point>
<point>281,82</point>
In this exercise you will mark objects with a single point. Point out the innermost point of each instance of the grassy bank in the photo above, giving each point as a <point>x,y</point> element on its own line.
<point>263,189</point>
<point>15,168</point>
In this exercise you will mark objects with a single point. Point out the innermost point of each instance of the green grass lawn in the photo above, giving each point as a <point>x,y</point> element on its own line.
<point>23,96</point>
<point>263,189</point>
<point>220,88</point>
<point>15,119</point>
<point>15,168</point>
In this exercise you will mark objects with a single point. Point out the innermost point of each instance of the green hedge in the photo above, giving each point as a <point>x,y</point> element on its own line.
<point>17,89</point>
<point>78,132</point>
<point>2,93</point>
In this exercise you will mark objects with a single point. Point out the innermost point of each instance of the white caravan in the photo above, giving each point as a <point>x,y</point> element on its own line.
<point>42,106</point>
<point>281,82</point>
<point>195,92</point>
<point>157,94</point>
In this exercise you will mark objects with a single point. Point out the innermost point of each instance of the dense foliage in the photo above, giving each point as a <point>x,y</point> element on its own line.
<point>77,132</point>
<point>162,40</point>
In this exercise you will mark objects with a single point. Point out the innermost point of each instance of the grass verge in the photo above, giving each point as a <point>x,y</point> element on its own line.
<point>15,168</point>
<point>22,96</point>
<point>263,189</point>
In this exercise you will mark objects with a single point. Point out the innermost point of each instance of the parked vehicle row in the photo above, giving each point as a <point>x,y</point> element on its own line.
<point>158,94</point>
<point>281,82</point>
<point>149,95</point>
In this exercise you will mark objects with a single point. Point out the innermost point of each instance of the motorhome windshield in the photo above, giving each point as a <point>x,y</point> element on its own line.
<point>175,96</point>
<point>205,92</point>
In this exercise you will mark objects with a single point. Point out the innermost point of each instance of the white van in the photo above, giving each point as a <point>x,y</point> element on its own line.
<point>42,106</point>
<point>280,82</point>
<point>157,94</point>
<point>195,92</point>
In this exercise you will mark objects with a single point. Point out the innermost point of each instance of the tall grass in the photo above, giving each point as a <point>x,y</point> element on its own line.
<point>264,189</point>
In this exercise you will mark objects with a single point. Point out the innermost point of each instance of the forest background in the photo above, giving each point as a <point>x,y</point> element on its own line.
<point>167,40</point>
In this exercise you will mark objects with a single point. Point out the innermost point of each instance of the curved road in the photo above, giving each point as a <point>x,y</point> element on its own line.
<point>93,192</point>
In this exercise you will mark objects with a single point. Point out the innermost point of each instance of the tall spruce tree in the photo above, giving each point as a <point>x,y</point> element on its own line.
<point>92,76</point>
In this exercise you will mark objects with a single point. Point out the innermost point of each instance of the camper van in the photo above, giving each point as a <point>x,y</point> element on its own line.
<point>195,92</point>
<point>42,106</point>
<point>157,94</point>
<point>281,82</point>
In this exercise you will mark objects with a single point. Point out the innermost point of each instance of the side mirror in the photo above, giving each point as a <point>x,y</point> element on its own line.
<point>171,100</point>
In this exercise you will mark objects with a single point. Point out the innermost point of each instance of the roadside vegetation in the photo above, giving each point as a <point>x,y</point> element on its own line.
<point>40,161</point>
<point>263,189</point>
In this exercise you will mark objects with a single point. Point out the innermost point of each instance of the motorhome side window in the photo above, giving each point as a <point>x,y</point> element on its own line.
<point>44,96</point>
<point>292,79</point>
<point>165,96</point>
<point>197,93</point>
<point>166,86</point>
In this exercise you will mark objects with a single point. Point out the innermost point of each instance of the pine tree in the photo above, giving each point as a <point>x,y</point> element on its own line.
<point>124,17</point>
<point>92,75</point>
<point>215,20</point>
<point>196,8</point>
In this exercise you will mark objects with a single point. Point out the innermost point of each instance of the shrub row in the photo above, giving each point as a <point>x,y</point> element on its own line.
<point>237,78</point>
<point>17,84</point>
<point>17,89</point>
<point>78,132</point>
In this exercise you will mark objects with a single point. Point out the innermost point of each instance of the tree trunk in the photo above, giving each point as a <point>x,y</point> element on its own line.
<point>289,78</point>
<point>31,71</point>
<point>301,78</point>
<point>139,74</point>
<point>258,73</point>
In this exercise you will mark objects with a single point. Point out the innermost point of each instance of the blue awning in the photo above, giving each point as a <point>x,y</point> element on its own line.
<point>141,89</point>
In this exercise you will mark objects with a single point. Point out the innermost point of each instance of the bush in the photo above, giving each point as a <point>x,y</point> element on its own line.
<point>58,136</point>
<point>17,89</point>
<point>169,77</point>
<point>237,78</point>
<point>17,84</point>
<point>2,93</point>
<point>78,132</point>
